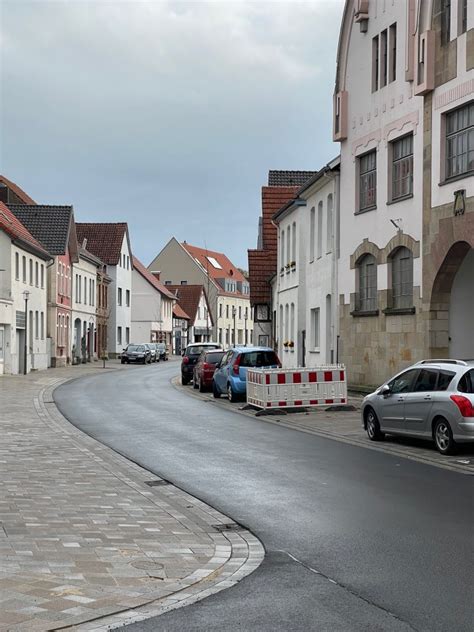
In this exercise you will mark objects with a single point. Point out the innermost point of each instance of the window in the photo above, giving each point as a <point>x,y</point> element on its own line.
<point>282,249</point>
<point>227,311</point>
<point>127,335</point>
<point>444,9</point>
<point>119,335</point>
<point>426,381</point>
<point>375,63</point>
<point>293,242</point>
<point>292,322</point>
<point>220,310</point>
<point>460,141</point>
<point>287,321</point>
<point>288,244</point>
<point>214,263</point>
<point>462,17</point>
<point>312,226</point>
<point>281,324</point>
<point>368,181</point>
<point>383,58</point>
<point>168,283</point>
<point>402,167</point>
<point>127,298</point>
<point>403,383</point>
<point>23,263</point>
<point>466,383</point>
<point>392,73</point>
<point>42,325</point>
<point>79,294</point>
<point>42,275</point>
<point>402,278</point>
<point>36,325</point>
<point>444,380</point>
<point>128,262</point>
<point>329,225</point>
<point>320,230</point>
<point>17,266</point>
<point>183,282</point>
<point>68,281</point>
<point>240,312</point>
<point>31,271</point>
<point>367,296</point>
<point>119,296</point>
<point>315,329</point>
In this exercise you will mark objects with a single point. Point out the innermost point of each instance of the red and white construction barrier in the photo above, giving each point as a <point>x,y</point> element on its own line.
<point>297,388</point>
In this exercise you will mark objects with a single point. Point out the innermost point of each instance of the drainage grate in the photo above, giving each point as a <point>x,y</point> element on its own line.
<point>157,483</point>
<point>227,526</point>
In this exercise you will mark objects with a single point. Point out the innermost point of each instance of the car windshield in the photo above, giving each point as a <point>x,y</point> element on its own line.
<point>214,358</point>
<point>259,359</point>
<point>198,349</point>
<point>135,348</point>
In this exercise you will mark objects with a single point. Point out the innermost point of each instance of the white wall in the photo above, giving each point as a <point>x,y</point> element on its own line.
<point>83,303</point>
<point>120,316</point>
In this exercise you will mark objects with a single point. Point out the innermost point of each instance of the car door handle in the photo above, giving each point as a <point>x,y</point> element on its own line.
<point>427,397</point>
<point>401,399</point>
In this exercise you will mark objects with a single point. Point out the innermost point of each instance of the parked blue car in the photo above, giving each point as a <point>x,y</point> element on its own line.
<point>230,376</point>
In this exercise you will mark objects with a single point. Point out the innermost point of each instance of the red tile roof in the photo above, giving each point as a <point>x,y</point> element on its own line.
<point>148,276</point>
<point>188,298</point>
<point>179,312</point>
<point>13,227</point>
<point>263,263</point>
<point>227,270</point>
<point>23,198</point>
<point>104,240</point>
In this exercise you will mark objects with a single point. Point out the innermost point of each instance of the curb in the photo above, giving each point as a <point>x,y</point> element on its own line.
<point>237,551</point>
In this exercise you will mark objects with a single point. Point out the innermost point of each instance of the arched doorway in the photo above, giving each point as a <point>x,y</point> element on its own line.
<point>452,305</point>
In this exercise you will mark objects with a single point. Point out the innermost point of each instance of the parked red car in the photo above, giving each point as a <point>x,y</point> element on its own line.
<point>205,367</point>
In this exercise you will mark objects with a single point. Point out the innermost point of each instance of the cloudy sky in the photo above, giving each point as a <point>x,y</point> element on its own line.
<point>167,115</point>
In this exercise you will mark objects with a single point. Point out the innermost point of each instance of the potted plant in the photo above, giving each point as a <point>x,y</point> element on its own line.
<point>291,344</point>
<point>293,264</point>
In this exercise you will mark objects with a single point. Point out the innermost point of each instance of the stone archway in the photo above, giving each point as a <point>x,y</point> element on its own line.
<point>452,305</point>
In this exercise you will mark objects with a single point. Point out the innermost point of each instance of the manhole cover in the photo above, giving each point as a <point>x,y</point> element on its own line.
<point>157,483</point>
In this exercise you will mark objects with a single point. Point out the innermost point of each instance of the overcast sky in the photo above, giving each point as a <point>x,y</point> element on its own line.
<point>167,115</point>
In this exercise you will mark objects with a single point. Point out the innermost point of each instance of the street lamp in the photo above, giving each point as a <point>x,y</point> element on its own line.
<point>26,296</point>
<point>234,313</point>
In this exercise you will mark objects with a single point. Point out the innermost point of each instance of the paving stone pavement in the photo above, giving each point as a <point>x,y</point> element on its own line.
<point>85,540</point>
<point>345,426</point>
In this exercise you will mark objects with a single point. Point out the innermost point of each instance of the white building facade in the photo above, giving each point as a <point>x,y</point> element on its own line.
<point>23,275</point>
<point>84,309</point>
<point>305,288</point>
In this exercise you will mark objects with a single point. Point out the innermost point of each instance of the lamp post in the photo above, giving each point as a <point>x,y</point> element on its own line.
<point>234,313</point>
<point>26,296</point>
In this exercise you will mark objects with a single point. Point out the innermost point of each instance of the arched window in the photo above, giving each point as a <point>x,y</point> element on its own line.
<point>320,230</point>
<point>288,244</point>
<point>401,267</point>
<point>287,321</point>
<point>367,277</point>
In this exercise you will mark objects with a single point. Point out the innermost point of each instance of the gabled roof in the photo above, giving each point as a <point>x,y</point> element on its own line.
<point>188,297</point>
<point>18,233</point>
<point>104,240</point>
<point>178,312</point>
<point>288,178</point>
<point>20,194</point>
<point>52,226</point>
<point>152,280</point>
<point>225,269</point>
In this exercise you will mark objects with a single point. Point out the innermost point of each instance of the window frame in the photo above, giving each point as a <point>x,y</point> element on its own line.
<point>366,303</point>
<point>468,131</point>
<point>397,281</point>
<point>397,161</point>
<point>363,176</point>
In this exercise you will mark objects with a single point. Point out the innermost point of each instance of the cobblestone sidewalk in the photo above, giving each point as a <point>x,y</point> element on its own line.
<point>89,539</point>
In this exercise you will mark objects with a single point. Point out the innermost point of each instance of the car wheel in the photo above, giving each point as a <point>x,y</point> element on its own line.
<point>215,390</point>
<point>443,436</point>
<point>230,394</point>
<point>372,426</point>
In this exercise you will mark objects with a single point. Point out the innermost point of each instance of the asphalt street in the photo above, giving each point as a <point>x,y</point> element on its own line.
<point>356,539</point>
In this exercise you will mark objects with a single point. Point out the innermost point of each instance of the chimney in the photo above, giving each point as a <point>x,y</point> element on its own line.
<point>84,243</point>
<point>156,274</point>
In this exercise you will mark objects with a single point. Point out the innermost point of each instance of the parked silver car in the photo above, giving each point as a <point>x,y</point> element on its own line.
<point>432,399</point>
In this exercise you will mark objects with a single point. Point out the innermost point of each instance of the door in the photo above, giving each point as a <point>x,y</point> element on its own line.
<point>419,402</point>
<point>392,405</point>
<point>222,372</point>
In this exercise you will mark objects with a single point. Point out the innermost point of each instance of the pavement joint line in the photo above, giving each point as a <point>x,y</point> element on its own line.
<point>299,426</point>
<point>234,557</point>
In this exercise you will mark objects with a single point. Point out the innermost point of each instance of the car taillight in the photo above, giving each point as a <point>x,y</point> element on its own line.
<point>185,360</point>
<point>464,405</point>
<point>235,368</point>
<point>206,366</point>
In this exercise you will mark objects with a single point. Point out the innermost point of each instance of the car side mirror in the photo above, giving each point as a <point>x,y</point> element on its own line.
<point>385,390</point>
